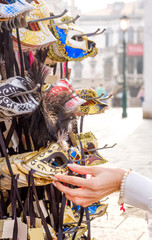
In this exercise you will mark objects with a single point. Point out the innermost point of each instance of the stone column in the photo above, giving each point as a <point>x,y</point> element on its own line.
<point>147,105</point>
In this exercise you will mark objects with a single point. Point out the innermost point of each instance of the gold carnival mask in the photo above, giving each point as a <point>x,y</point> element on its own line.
<point>90,144</point>
<point>37,34</point>
<point>93,104</point>
<point>44,163</point>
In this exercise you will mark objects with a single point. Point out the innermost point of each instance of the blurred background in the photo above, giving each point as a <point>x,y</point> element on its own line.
<point>107,67</point>
<point>121,67</point>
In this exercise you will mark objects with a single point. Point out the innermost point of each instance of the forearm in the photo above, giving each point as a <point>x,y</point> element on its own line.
<point>137,191</point>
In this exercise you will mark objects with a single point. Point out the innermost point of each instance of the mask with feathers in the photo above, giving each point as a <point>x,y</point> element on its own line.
<point>51,121</point>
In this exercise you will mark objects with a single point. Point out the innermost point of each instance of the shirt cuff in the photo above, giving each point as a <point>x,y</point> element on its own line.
<point>138,191</point>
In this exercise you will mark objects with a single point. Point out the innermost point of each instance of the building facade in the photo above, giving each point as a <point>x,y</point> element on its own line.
<point>107,66</point>
<point>147,105</point>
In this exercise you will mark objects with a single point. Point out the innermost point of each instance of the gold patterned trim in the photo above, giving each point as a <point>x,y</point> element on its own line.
<point>61,48</point>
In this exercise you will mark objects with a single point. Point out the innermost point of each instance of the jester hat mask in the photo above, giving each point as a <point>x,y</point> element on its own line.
<point>67,46</point>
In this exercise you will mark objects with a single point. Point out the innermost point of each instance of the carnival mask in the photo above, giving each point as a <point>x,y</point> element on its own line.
<point>93,104</point>
<point>13,101</point>
<point>68,47</point>
<point>44,164</point>
<point>90,144</point>
<point>64,86</point>
<point>9,8</point>
<point>37,34</point>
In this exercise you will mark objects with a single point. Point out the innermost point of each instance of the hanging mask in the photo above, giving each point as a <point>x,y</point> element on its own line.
<point>11,8</point>
<point>95,210</point>
<point>13,105</point>
<point>93,104</point>
<point>13,14</point>
<point>63,86</point>
<point>18,21</point>
<point>94,158</point>
<point>44,163</point>
<point>68,47</point>
<point>47,162</point>
<point>37,34</point>
<point>90,144</point>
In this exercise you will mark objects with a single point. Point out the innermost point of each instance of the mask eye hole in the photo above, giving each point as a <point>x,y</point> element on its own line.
<point>16,99</point>
<point>77,39</point>
<point>33,26</point>
<point>56,161</point>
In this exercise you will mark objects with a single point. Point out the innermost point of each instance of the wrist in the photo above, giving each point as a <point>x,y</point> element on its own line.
<point>122,186</point>
<point>120,174</point>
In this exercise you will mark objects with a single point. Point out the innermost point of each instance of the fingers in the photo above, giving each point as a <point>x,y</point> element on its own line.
<point>77,181</point>
<point>77,192</point>
<point>82,169</point>
<point>84,202</point>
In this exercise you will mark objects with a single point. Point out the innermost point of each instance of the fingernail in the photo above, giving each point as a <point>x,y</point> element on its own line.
<point>54,183</point>
<point>54,178</point>
<point>72,165</point>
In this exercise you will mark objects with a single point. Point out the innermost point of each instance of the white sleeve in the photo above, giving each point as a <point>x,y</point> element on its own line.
<point>138,191</point>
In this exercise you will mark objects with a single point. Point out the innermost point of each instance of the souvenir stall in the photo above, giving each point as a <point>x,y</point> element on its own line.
<point>39,116</point>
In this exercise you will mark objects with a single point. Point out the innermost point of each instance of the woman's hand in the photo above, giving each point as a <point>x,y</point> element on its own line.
<point>103,182</point>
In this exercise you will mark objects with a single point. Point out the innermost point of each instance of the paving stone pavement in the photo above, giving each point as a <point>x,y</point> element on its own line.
<point>133,136</point>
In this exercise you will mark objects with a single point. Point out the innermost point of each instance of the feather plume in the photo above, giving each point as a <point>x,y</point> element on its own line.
<point>50,122</point>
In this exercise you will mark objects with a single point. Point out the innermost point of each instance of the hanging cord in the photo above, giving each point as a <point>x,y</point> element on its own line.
<point>66,70</point>
<point>61,70</point>
<point>2,144</point>
<point>8,53</point>
<point>52,205</point>
<point>80,221</point>
<point>10,132</point>
<point>61,215</point>
<point>54,69</point>
<point>83,163</point>
<point>3,210</point>
<point>14,215</point>
<point>28,204</point>
<point>88,222</point>
<point>20,53</point>
<point>49,237</point>
<point>16,67</point>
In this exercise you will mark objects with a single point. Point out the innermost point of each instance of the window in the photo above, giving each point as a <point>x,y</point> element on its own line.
<point>140,35</point>
<point>108,38</point>
<point>108,68</point>
<point>139,65</point>
<point>130,65</point>
<point>130,35</point>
